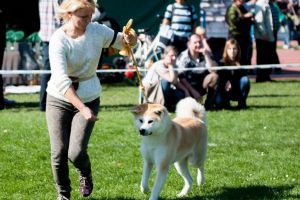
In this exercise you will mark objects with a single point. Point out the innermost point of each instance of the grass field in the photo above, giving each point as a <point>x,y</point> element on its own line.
<point>252,154</point>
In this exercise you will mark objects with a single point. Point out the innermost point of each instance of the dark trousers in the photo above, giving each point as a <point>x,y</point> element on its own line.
<point>69,135</point>
<point>44,77</point>
<point>246,49</point>
<point>171,95</point>
<point>266,54</point>
<point>239,92</point>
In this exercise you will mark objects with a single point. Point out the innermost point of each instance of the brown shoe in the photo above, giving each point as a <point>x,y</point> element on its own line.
<point>86,185</point>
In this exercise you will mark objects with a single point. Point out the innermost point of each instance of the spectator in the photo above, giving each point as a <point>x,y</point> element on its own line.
<point>202,33</point>
<point>275,10</point>
<point>2,48</point>
<point>73,91</point>
<point>48,24</point>
<point>3,101</point>
<point>250,7</point>
<point>284,19</point>
<point>199,79</point>
<point>239,22</point>
<point>293,20</point>
<point>182,18</point>
<point>233,84</point>
<point>162,72</point>
<point>264,35</point>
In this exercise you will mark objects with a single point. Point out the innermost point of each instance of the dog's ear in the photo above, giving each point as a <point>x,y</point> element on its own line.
<point>138,109</point>
<point>135,110</point>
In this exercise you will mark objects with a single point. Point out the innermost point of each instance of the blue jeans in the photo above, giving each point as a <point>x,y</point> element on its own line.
<point>171,95</point>
<point>244,88</point>
<point>240,93</point>
<point>44,78</point>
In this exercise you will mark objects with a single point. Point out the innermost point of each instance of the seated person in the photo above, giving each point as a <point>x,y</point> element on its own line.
<point>202,33</point>
<point>198,79</point>
<point>233,84</point>
<point>163,76</point>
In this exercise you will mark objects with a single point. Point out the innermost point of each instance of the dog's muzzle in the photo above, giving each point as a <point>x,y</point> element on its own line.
<point>143,132</point>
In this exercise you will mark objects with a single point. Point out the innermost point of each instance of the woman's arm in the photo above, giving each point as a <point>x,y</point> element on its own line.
<point>77,103</point>
<point>168,75</point>
<point>194,93</point>
<point>183,88</point>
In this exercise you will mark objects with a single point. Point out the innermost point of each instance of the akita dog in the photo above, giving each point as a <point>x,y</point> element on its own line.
<point>165,141</point>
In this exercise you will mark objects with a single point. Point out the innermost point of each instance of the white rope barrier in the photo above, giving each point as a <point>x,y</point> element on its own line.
<point>11,72</point>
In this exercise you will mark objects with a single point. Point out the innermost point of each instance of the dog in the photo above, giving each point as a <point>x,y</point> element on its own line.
<point>165,141</point>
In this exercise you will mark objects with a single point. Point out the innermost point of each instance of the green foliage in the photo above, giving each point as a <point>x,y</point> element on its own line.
<point>252,154</point>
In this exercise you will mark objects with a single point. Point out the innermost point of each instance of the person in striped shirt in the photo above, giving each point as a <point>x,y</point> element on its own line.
<point>182,18</point>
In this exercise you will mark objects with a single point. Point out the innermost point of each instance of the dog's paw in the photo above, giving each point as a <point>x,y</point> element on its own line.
<point>184,191</point>
<point>200,179</point>
<point>144,189</point>
<point>181,194</point>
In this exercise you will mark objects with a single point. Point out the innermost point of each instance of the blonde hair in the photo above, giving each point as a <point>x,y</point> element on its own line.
<point>70,6</point>
<point>226,59</point>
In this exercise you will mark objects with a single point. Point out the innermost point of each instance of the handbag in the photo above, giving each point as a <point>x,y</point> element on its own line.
<point>165,36</point>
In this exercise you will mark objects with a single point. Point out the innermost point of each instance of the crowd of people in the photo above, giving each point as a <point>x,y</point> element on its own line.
<point>253,21</point>
<point>72,48</point>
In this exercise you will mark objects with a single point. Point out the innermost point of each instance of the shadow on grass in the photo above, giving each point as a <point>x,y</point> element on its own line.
<point>26,105</point>
<point>113,198</point>
<point>273,95</point>
<point>259,192</point>
<point>254,192</point>
<point>120,107</point>
<point>273,106</point>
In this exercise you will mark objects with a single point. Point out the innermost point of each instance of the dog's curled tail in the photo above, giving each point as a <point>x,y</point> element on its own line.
<point>190,108</point>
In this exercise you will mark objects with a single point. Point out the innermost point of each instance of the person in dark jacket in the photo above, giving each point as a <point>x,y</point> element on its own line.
<point>233,84</point>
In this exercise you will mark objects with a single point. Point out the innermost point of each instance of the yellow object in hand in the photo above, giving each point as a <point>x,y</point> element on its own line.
<point>126,30</point>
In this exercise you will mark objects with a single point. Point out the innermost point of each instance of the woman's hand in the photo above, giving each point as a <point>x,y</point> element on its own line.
<point>88,114</point>
<point>130,37</point>
<point>77,103</point>
<point>228,86</point>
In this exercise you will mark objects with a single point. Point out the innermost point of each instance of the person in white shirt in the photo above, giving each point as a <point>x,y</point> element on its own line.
<point>163,72</point>
<point>74,90</point>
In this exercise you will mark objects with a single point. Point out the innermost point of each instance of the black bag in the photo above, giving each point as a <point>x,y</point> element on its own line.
<point>165,36</point>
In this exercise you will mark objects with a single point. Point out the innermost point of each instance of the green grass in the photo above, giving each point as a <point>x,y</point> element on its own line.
<point>252,154</point>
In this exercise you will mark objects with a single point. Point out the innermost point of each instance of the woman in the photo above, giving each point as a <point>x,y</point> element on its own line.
<point>162,72</point>
<point>74,90</point>
<point>233,84</point>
